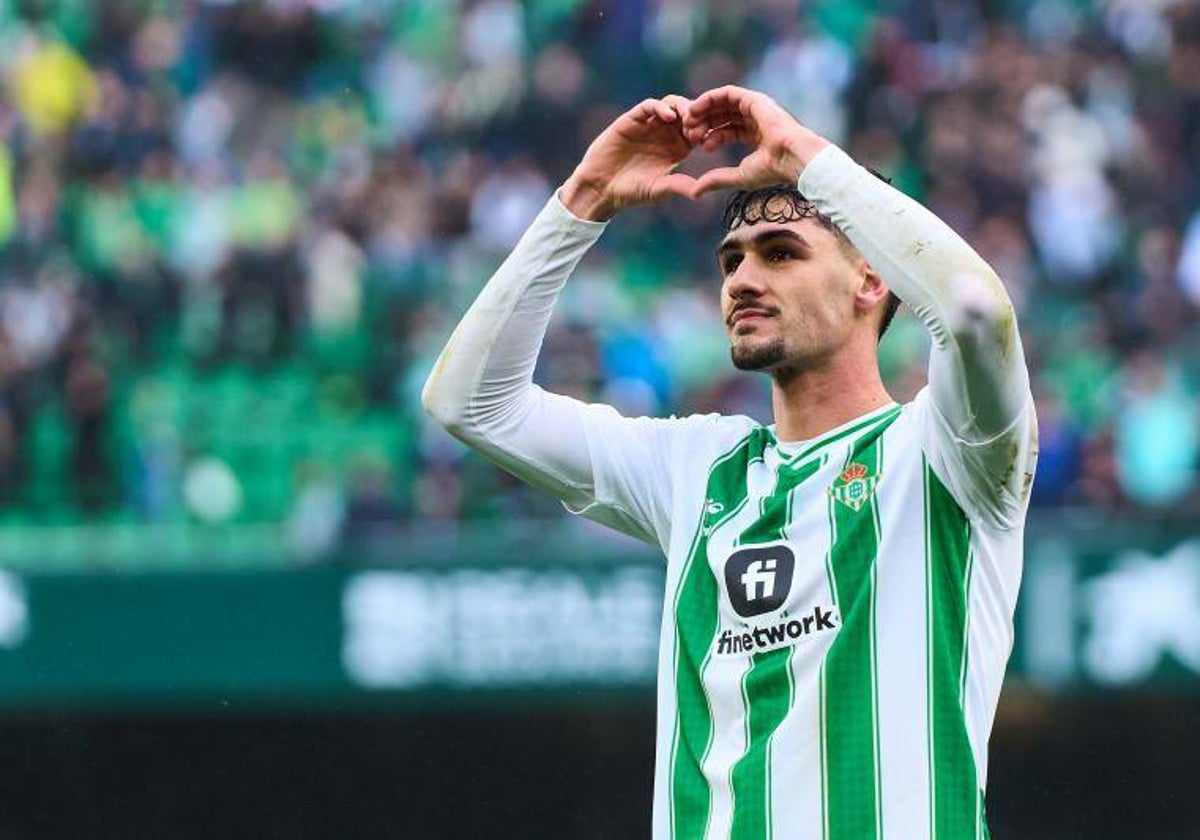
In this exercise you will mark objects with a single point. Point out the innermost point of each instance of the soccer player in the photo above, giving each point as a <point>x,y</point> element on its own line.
<point>840,584</point>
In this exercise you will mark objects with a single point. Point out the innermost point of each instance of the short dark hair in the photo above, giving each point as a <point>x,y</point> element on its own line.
<point>781,203</point>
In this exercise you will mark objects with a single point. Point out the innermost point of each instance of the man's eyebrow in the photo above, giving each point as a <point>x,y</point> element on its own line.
<point>760,238</point>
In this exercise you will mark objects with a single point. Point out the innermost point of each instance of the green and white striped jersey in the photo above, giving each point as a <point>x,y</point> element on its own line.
<point>837,621</point>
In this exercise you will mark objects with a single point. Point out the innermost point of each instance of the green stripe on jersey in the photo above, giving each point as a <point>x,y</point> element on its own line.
<point>767,686</point>
<point>695,625</point>
<point>849,734</point>
<point>953,788</point>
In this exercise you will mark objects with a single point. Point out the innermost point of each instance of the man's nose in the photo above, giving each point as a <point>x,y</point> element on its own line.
<point>745,281</point>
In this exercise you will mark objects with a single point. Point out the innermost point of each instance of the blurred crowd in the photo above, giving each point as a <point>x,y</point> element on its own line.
<point>319,187</point>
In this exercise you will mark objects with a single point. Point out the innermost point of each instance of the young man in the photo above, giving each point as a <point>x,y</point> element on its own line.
<point>840,584</point>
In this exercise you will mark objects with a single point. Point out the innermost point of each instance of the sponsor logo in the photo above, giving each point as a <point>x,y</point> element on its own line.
<point>479,628</point>
<point>854,487</point>
<point>759,574</point>
<point>772,636</point>
<point>758,579</point>
<point>1142,612</point>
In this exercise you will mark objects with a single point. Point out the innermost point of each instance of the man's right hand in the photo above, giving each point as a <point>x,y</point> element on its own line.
<point>632,162</point>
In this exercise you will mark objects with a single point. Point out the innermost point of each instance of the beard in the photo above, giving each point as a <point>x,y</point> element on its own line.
<point>759,356</point>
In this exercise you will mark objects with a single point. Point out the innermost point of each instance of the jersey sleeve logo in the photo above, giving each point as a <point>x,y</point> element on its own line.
<point>854,487</point>
<point>759,578</point>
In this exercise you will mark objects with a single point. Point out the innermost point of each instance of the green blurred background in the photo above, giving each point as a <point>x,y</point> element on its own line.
<point>234,556</point>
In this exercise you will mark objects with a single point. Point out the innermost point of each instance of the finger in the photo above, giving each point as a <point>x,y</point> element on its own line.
<point>697,129</point>
<point>679,104</point>
<point>651,109</point>
<point>697,135</point>
<point>724,125</point>
<point>714,119</point>
<point>664,111</point>
<point>675,183</point>
<point>729,104</point>
<point>723,135</point>
<point>729,96</point>
<point>725,177</point>
<point>710,99</point>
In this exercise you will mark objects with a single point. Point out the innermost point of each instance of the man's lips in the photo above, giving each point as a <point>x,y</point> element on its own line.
<point>747,313</point>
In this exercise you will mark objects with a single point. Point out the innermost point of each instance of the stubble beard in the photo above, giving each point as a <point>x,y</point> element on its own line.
<point>759,356</point>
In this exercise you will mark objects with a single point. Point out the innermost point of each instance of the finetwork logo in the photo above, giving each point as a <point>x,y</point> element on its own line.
<point>760,639</point>
<point>758,579</point>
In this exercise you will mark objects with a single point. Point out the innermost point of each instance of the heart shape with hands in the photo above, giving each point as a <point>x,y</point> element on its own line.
<point>634,161</point>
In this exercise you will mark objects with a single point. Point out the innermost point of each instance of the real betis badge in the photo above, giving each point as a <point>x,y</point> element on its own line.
<point>853,487</point>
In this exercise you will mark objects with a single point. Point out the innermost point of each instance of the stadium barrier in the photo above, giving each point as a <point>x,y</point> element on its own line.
<point>1102,608</point>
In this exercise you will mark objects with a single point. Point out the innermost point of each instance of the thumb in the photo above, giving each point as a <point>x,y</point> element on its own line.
<point>725,177</point>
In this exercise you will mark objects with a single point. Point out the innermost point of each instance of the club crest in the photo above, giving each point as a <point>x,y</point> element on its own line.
<point>854,487</point>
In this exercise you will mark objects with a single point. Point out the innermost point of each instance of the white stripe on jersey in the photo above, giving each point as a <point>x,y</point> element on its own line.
<point>729,712</point>
<point>796,782</point>
<point>901,640</point>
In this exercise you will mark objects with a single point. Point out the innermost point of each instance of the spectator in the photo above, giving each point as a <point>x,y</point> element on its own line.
<point>212,237</point>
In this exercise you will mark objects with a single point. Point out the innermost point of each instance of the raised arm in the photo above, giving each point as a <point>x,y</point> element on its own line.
<point>979,385</point>
<point>481,388</point>
<point>977,372</point>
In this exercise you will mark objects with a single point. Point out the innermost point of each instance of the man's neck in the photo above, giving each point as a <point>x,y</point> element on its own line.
<point>810,402</point>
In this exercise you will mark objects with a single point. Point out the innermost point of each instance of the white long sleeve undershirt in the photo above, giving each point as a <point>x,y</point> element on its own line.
<point>977,371</point>
<point>481,388</point>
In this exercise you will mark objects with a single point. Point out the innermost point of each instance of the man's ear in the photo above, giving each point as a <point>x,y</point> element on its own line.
<point>871,288</point>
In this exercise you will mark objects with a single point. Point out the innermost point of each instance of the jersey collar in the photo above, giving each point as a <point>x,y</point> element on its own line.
<point>793,451</point>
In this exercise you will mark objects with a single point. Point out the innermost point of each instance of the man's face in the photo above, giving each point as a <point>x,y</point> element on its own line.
<point>788,297</point>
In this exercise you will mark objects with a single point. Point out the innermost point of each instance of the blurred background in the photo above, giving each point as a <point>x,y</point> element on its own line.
<point>246,589</point>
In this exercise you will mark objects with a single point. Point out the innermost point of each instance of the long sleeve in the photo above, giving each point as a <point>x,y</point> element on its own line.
<point>481,388</point>
<point>613,469</point>
<point>984,429</point>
